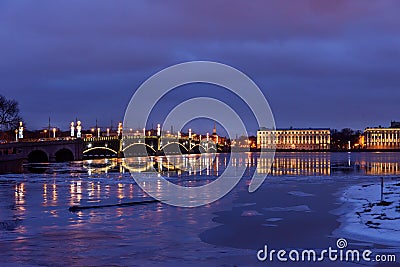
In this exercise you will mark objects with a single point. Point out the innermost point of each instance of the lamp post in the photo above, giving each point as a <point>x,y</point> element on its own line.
<point>78,129</point>
<point>16,135</point>
<point>20,131</point>
<point>72,129</point>
<point>98,132</point>
<point>190,139</point>
<point>54,132</point>
<point>158,137</point>
<point>119,129</point>
<point>108,131</point>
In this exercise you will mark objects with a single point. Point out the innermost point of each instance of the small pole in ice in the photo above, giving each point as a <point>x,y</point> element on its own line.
<point>381,189</point>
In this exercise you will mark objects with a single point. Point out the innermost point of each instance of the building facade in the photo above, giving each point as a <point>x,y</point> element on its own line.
<point>294,139</point>
<point>382,138</point>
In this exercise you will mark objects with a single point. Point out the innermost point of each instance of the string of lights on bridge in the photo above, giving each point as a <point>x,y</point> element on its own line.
<point>76,131</point>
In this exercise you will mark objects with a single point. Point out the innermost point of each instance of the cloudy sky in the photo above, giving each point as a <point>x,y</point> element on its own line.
<point>319,63</point>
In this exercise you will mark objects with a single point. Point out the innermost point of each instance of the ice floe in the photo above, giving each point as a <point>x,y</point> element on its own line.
<point>238,205</point>
<point>274,219</point>
<point>300,194</point>
<point>249,213</point>
<point>303,208</point>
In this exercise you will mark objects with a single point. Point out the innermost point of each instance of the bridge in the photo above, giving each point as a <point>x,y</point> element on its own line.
<point>100,147</point>
<point>69,149</point>
<point>43,151</point>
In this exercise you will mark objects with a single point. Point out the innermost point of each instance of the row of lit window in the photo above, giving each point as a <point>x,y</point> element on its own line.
<point>383,141</point>
<point>295,140</point>
<point>295,133</point>
<point>381,130</point>
<point>282,146</point>
<point>295,137</point>
<point>382,137</point>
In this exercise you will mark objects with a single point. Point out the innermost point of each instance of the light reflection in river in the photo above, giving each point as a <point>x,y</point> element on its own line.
<point>293,164</point>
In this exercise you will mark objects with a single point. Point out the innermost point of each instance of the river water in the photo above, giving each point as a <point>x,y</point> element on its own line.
<point>301,205</point>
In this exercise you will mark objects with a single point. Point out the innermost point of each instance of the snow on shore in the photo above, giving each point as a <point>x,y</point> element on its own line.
<point>369,216</point>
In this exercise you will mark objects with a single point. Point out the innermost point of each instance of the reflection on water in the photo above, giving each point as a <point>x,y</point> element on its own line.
<point>296,165</point>
<point>293,164</point>
<point>19,194</point>
<point>94,181</point>
<point>111,177</point>
<point>381,168</point>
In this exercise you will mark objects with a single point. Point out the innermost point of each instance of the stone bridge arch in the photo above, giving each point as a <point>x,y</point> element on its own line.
<point>64,155</point>
<point>46,151</point>
<point>38,156</point>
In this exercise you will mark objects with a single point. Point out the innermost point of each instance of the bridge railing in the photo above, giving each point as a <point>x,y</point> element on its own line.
<point>101,138</point>
<point>34,140</point>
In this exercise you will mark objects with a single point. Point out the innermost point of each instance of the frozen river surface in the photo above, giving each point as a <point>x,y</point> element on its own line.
<point>309,201</point>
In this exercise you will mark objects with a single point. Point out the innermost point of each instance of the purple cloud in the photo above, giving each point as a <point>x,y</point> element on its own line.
<point>320,63</point>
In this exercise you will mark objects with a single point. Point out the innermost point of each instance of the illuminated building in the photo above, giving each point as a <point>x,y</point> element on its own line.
<point>361,141</point>
<point>215,137</point>
<point>295,139</point>
<point>382,138</point>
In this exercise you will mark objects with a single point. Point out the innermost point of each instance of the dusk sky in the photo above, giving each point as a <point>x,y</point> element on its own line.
<point>332,64</point>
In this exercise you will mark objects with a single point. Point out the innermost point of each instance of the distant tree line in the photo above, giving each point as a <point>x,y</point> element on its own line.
<point>340,139</point>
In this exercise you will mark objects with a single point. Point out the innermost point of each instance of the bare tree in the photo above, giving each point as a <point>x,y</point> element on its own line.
<point>9,114</point>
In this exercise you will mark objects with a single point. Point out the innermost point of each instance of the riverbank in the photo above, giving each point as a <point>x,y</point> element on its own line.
<point>371,212</point>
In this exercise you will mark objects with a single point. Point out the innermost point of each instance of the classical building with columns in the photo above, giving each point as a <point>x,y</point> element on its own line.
<point>294,139</point>
<point>382,138</point>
